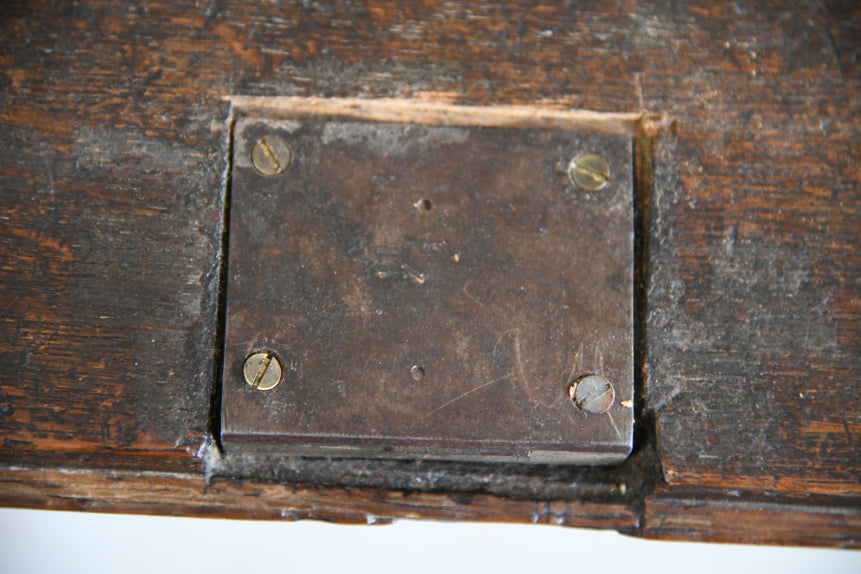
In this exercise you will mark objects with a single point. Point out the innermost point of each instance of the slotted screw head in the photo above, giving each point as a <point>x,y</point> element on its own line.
<point>271,155</point>
<point>262,371</point>
<point>593,394</point>
<point>590,172</point>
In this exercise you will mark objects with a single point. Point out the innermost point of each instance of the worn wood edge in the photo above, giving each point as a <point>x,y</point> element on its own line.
<point>721,517</point>
<point>432,111</point>
<point>667,514</point>
<point>166,493</point>
<point>625,484</point>
<point>685,477</point>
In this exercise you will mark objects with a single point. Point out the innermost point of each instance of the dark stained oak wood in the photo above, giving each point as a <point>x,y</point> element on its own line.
<point>736,518</point>
<point>114,122</point>
<point>166,493</point>
<point>753,360</point>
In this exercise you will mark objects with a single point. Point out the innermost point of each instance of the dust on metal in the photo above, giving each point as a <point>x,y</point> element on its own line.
<point>271,155</point>
<point>590,172</point>
<point>593,394</point>
<point>262,371</point>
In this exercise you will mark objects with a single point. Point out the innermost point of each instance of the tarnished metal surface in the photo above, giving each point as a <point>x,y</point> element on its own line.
<point>431,292</point>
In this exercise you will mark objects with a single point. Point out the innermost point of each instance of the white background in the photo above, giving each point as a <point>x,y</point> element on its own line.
<point>60,542</point>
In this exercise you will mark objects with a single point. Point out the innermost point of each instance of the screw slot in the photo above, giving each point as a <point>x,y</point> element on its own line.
<point>589,171</point>
<point>262,371</point>
<point>593,394</point>
<point>271,155</point>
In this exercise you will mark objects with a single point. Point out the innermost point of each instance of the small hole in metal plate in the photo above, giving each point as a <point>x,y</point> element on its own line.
<point>423,205</point>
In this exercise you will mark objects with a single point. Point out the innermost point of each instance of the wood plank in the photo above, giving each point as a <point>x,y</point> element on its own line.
<point>112,181</point>
<point>752,328</point>
<point>739,519</point>
<point>177,493</point>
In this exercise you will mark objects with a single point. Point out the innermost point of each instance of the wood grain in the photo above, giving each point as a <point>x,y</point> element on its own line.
<point>746,518</point>
<point>181,494</point>
<point>113,186</point>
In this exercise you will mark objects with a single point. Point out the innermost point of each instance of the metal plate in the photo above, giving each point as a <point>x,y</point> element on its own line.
<point>430,291</point>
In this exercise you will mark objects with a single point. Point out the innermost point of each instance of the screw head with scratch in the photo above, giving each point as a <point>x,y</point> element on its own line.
<point>271,155</point>
<point>262,371</point>
<point>589,171</point>
<point>593,394</point>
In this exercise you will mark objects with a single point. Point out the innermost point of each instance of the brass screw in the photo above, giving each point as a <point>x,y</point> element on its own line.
<point>593,394</point>
<point>271,155</point>
<point>589,172</point>
<point>262,371</point>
